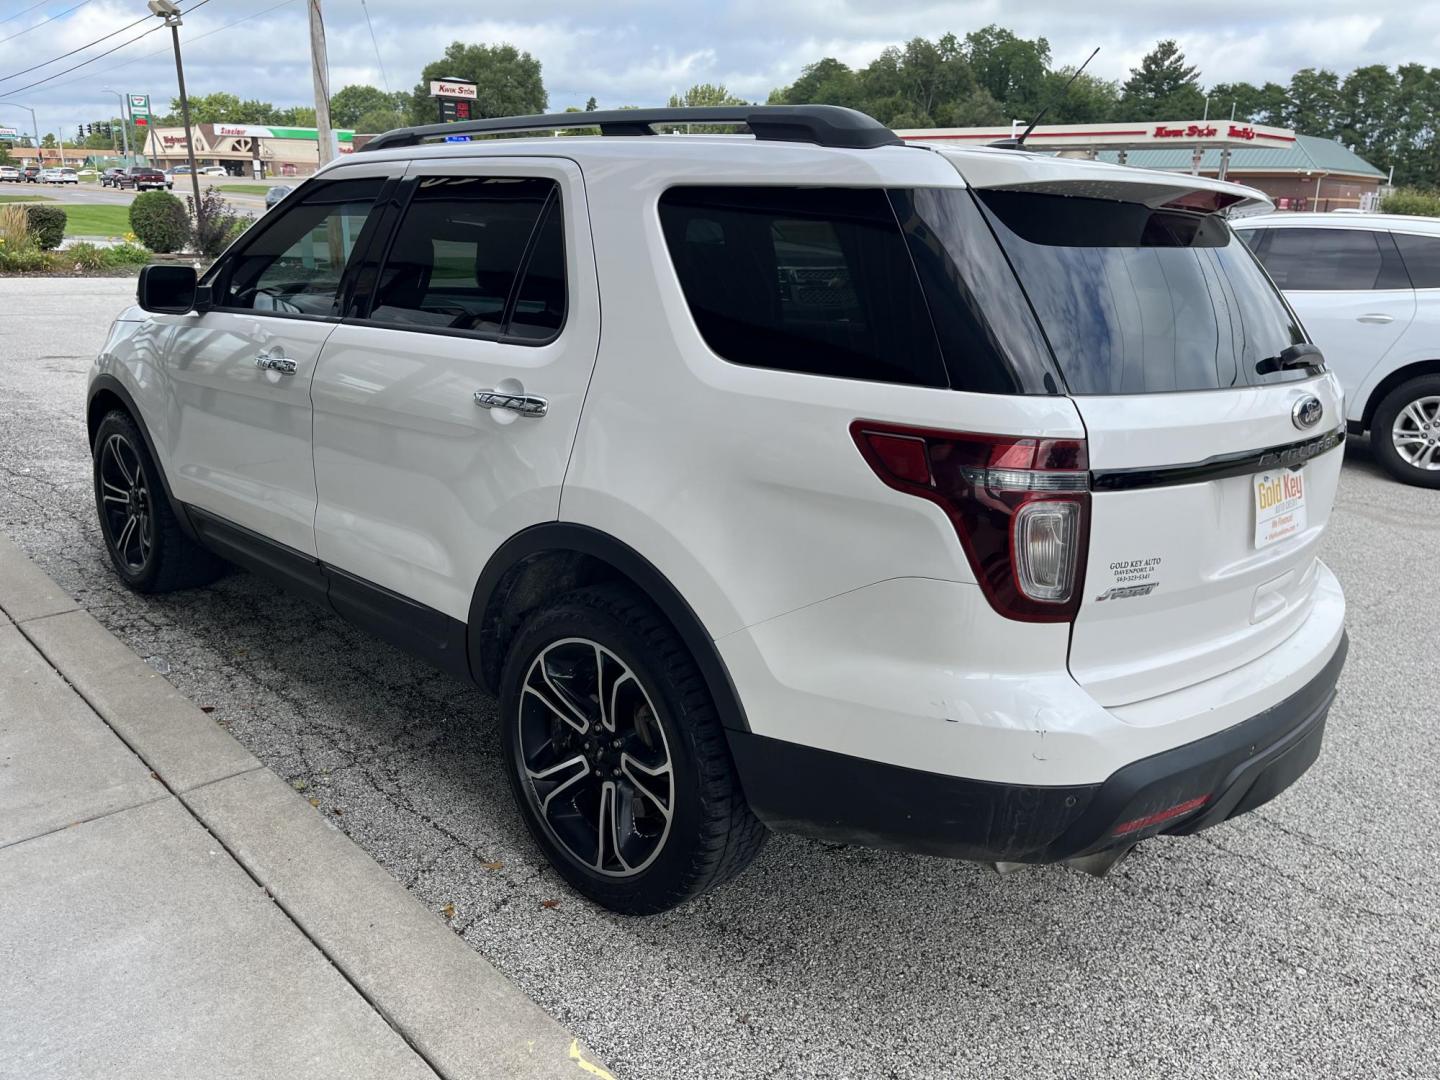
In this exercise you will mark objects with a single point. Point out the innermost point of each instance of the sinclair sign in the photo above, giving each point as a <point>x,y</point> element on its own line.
<point>1195,133</point>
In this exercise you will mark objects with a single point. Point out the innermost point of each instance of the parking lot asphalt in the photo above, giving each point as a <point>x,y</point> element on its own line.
<point>90,191</point>
<point>1302,940</point>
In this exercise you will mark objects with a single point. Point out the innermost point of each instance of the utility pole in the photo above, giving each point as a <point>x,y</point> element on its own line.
<point>320,73</point>
<point>124,120</point>
<point>166,9</point>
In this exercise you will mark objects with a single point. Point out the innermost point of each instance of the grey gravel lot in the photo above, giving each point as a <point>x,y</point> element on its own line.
<point>1300,941</point>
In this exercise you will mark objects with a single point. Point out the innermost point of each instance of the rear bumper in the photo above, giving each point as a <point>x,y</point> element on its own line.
<point>836,797</point>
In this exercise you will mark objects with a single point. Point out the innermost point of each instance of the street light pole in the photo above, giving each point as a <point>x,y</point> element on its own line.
<point>124,120</point>
<point>34,127</point>
<point>167,10</point>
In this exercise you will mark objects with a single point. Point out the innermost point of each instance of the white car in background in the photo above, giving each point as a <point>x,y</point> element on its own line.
<point>214,170</point>
<point>9,174</point>
<point>1367,288</point>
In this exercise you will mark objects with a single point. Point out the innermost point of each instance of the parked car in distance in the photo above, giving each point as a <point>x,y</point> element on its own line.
<point>1367,288</point>
<point>9,174</point>
<point>276,193</point>
<point>31,173</point>
<point>111,177</point>
<point>66,176</point>
<point>847,524</point>
<point>214,170</point>
<point>142,178</point>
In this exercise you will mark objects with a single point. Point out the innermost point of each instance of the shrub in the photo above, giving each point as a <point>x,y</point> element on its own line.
<point>1412,201</point>
<point>24,260</point>
<point>82,256</point>
<point>14,228</point>
<point>46,224</point>
<point>160,221</point>
<point>217,225</point>
<point>126,255</point>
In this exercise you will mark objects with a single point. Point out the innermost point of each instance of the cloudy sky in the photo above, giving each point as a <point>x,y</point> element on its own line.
<point>640,51</point>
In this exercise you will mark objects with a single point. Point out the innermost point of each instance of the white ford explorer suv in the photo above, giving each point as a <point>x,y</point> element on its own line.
<point>1367,286</point>
<point>963,502</point>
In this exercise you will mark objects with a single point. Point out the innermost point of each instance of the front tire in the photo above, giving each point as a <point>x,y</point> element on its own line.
<point>144,539</point>
<point>616,755</point>
<point>1405,432</point>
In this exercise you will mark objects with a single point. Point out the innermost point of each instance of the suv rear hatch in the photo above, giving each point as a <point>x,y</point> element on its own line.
<point>1213,469</point>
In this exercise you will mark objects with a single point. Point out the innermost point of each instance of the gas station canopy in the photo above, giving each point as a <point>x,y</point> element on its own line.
<point>1149,135</point>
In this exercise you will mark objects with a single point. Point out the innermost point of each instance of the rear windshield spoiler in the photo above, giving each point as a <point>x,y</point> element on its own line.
<point>1020,171</point>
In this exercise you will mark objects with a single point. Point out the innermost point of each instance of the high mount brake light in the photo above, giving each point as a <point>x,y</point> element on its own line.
<point>1020,506</point>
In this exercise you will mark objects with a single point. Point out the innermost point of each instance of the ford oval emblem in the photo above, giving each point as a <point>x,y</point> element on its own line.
<point>1307,412</point>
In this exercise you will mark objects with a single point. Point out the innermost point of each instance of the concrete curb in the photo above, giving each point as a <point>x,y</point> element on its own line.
<point>458,1012</point>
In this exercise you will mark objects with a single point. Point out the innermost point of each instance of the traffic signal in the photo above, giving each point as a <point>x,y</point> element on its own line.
<point>87,131</point>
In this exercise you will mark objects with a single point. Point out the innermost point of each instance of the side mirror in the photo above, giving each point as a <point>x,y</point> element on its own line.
<point>171,290</point>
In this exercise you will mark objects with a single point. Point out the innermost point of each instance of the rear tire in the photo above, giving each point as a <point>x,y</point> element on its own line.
<point>1405,432</point>
<point>616,755</point>
<point>145,541</point>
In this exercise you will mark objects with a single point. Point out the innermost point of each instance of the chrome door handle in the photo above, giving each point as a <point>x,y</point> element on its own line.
<point>1375,317</point>
<point>275,362</point>
<point>524,404</point>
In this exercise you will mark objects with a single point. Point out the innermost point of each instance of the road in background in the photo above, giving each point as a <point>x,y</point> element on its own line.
<point>1302,940</point>
<point>92,192</point>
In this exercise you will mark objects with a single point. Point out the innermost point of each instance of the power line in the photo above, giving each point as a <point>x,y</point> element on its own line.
<point>72,52</point>
<point>165,52</point>
<point>383,78</point>
<point>101,56</point>
<point>42,22</point>
<point>32,7</point>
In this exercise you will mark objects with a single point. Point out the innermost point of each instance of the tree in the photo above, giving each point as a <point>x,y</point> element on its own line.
<point>1257,104</point>
<point>350,103</point>
<point>378,120</point>
<point>704,94</point>
<point>1088,100</point>
<point>591,105</point>
<point>825,82</point>
<point>508,81</point>
<point>1314,104</point>
<point>48,141</point>
<point>1163,87</point>
<point>1012,70</point>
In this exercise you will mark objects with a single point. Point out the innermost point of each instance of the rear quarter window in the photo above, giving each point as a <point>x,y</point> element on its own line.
<point>816,281</point>
<point>1422,259</point>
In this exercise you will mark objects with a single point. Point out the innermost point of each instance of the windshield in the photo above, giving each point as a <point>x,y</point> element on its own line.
<point>1137,300</point>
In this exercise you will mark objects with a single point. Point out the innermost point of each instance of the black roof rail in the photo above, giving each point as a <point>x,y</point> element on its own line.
<point>824,125</point>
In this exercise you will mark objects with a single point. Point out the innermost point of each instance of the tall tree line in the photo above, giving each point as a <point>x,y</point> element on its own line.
<point>989,76</point>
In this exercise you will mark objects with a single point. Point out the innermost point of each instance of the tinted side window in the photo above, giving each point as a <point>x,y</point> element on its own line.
<point>816,281</point>
<point>458,252</point>
<point>295,263</point>
<point>1332,259</point>
<point>540,302</point>
<point>1422,259</point>
<point>1254,239</point>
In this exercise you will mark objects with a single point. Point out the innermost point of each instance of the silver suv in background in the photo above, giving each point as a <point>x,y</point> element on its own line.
<point>1367,288</point>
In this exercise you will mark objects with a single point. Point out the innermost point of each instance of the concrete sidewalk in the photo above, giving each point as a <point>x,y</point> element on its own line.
<point>170,907</point>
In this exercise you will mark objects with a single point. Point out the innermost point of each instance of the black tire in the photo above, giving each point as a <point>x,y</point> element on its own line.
<point>1382,432</point>
<point>711,834</point>
<point>157,556</point>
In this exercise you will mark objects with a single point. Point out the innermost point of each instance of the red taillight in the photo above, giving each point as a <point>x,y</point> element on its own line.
<point>1021,507</point>
<point>1160,816</point>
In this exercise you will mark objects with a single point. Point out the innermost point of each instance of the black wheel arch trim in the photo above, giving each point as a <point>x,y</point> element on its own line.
<point>111,385</point>
<point>567,537</point>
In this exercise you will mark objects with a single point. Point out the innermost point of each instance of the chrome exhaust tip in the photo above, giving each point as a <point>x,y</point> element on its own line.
<point>1101,862</point>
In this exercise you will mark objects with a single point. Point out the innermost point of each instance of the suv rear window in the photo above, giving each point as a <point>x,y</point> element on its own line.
<point>1138,300</point>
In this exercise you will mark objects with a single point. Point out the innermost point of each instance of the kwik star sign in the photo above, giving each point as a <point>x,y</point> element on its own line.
<point>1195,133</point>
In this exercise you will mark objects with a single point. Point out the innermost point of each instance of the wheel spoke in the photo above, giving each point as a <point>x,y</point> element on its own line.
<point>1423,456</point>
<point>607,828</point>
<point>116,456</point>
<point>1409,437</point>
<point>558,704</point>
<point>633,770</point>
<point>122,543</point>
<point>1415,414</point>
<point>114,493</point>
<point>577,766</point>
